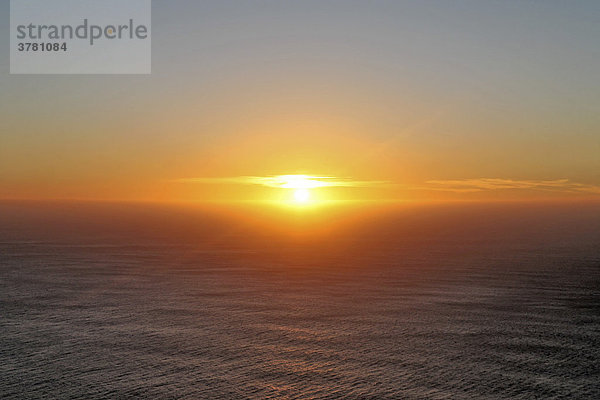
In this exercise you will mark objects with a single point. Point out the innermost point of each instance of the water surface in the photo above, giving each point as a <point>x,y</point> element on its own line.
<point>449,303</point>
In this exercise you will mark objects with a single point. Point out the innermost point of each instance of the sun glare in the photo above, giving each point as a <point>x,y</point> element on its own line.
<point>301,186</point>
<point>301,195</point>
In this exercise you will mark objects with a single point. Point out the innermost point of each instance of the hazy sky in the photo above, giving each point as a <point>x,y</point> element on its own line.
<point>441,98</point>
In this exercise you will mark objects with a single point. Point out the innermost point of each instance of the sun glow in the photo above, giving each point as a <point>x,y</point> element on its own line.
<point>300,190</point>
<point>300,181</point>
<point>301,195</point>
<point>301,185</point>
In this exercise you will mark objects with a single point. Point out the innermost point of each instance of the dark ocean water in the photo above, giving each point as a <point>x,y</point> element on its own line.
<point>500,304</point>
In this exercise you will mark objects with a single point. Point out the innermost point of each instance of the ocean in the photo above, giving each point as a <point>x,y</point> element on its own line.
<point>415,302</point>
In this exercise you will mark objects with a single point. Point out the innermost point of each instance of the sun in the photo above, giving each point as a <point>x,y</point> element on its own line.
<point>300,188</point>
<point>305,191</point>
<point>301,195</point>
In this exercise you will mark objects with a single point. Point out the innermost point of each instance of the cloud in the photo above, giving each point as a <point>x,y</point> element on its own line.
<point>287,181</point>
<point>485,184</point>
<point>451,185</point>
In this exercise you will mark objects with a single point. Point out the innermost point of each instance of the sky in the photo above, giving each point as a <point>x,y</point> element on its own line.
<point>425,100</point>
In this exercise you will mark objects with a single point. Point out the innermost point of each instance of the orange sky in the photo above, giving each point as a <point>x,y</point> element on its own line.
<point>454,107</point>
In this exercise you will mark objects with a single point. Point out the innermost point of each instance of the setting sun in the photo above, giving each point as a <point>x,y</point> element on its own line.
<point>301,185</point>
<point>301,195</point>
